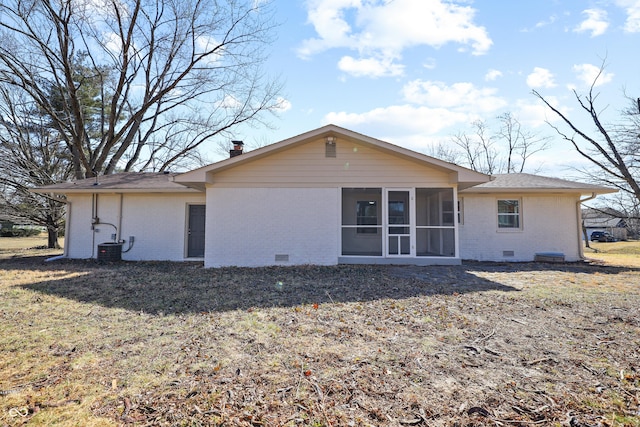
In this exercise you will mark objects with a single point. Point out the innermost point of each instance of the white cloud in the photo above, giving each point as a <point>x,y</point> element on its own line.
<point>534,113</point>
<point>229,102</point>
<point>540,77</point>
<point>551,20</point>
<point>632,9</point>
<point>112,43</point>
<point>459,96</point>
<point>430,63</point>
<point>382,29</point>
<point>328,20</point>
<point>401,120</point>
<point>370,67</point>
<point>588,73</point>
<point>492,75</point>
<point>596,22</point>
<point>206,44</point>
<point>283,105</point>
<point>431,110</point>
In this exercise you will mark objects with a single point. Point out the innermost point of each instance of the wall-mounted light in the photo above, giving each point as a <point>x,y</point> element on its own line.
<point>331,140</point>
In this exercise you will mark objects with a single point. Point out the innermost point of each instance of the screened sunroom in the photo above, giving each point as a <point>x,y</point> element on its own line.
<point>398,223</point>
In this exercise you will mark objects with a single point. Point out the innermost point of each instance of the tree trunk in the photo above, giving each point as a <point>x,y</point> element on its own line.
<point>586,236</point>
<point>52,237</point>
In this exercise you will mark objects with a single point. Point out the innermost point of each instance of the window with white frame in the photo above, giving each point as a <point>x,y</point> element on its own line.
<point>367,214</point>
<point>509,214</point>
<point>362,221</point>
<point>435,222</point>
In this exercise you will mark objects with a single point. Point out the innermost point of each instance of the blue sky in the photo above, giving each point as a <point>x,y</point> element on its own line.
<point>416,72</point>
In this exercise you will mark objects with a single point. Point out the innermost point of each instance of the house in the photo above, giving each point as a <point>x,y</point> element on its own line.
<point>605,219</point>
<point>325,197</point>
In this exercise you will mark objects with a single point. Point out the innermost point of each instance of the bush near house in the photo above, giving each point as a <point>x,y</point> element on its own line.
<point>20,231</point>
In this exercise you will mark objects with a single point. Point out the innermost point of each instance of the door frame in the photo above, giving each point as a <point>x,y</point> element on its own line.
<point>188,230</point>
<point>411,193</point>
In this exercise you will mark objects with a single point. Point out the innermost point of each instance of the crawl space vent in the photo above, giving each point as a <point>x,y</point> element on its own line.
<point>508,253</point>
<point>282,258</point>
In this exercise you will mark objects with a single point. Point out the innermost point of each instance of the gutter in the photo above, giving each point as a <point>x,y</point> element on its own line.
<point>579,221</point>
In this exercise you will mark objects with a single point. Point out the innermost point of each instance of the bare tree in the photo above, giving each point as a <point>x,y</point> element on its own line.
<point>518,143</point>
<point>171,74</point>
<point>32,155</point>
<point>476,148</point>
<point>446,152</point>
<point>503,151</point>
<point>613,149</point>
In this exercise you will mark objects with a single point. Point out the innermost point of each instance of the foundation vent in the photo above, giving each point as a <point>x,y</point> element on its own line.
<point>282,257</point>
<point>508,253</point>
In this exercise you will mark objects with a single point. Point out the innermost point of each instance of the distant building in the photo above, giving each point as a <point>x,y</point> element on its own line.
<point>605,219</point>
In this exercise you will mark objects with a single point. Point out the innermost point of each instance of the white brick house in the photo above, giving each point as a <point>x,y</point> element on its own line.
<point>328,196</point>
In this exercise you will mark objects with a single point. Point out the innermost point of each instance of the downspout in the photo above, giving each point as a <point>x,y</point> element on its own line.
<point>67,231</point>
<point>94,216</point>
<point>579,218</point>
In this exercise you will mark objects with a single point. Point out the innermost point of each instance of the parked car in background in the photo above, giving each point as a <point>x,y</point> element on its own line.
<point>602,236</point>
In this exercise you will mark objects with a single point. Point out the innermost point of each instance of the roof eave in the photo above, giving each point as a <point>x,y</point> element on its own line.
<point>598,191</point>
<point>105,190</point>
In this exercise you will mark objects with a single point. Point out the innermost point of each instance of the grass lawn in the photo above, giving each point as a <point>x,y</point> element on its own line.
<point>174,344</point>
<point>616,253</point>
<point>36,245</point>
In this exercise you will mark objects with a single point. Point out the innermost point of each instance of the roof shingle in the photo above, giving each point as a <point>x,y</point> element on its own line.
<point>147,182</point>
<point>524,182</point>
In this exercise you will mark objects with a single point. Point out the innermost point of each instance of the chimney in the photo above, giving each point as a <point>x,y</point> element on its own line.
<point>237,148</point>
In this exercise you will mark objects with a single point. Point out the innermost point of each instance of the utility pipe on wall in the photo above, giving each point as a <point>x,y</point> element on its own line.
<point>119,230</point>
<point>94,221</point>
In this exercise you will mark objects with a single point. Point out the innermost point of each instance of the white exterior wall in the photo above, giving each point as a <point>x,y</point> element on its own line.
<point>78,238</point>
<point>250,226</point>
<point>548,224</point>
<point>158,223</point>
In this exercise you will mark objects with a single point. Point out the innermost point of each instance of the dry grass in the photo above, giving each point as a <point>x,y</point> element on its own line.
<point>167,344</point>
<point>27,246</point>
<point>615,253</point>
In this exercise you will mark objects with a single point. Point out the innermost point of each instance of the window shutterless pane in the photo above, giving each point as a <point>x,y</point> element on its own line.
<point>361,206</point>
<point>508,214</point>
<point>508,206</point>
<point>508,221</point>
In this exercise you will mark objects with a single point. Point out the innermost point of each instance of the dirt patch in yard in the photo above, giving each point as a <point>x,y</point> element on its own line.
<point>172,344</point>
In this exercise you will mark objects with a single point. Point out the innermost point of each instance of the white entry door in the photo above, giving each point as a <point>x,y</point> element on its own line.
<point>399,226</point>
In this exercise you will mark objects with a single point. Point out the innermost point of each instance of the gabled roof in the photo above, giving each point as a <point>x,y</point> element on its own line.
<point>198,177</point>
<point>128,182</point>
<point>603,222</point>
<point>603,218</point>
<point>528,183</point>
